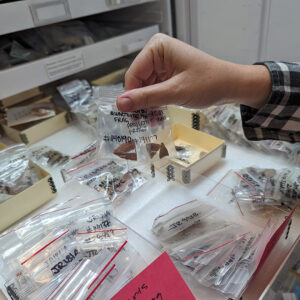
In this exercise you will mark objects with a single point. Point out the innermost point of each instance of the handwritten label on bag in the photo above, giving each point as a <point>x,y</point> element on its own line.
<point>160,280</point>
<point>64,263</point>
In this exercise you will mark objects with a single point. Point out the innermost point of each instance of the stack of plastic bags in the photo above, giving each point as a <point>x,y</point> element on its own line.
<point>74,250</point>
<point>257,188</point>
<point>209,248</point>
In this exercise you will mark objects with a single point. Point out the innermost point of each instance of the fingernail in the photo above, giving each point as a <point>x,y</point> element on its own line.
<point>124,104</point>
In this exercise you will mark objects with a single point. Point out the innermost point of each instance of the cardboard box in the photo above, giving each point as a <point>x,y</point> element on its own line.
<point>27,201</point>
<point>206,150</point>
<point>112,78</point>
<point>31,133</point>
<point>12,100</point>
<point>191,118</point>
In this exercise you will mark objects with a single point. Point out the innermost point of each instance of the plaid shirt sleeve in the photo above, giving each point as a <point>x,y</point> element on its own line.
<point>279,118</point>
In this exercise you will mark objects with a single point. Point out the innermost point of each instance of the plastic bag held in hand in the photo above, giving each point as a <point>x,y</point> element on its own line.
<point>144,136</point>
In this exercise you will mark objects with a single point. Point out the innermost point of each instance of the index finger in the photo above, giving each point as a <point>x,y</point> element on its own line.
<point>140,70</point>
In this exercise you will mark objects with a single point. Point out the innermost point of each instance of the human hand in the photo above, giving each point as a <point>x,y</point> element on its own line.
<point>168,71</point>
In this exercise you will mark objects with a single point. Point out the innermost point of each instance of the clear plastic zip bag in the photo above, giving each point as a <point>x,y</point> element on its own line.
<point>144,136</point>
<point>51,256</point>
<point>80,218</point>
<point>9,244</point>
<point>235,282</point>
<point>82,99</point>
<point>191,247</point>
<point>287,186</point>
<point>289,151</point>
<point>76,218</point>
<point>243,269</point>
<point>87,155</point>
<point>254,186</point>
<point>19,239</point>
<point>23,54</point>
<point>39,262</point>
<point>216,259</point>
<point>94,242</point>
<point>16,173</point>
<point>59,285</point>
<point>48,156</point>
<point>225,121</point>
<point>105,233</point>
<point>258,188</point>
<point>76,283</point>
<point>112,179</point>
<point>76,93</point>
<point>66,214</point>
<point>33,229</point>
<point>100,276</point>
<point>124,263</point>
<point>180,218</point>
<point>94,221</point>
<point>188,153</point>
<point>219,273</point>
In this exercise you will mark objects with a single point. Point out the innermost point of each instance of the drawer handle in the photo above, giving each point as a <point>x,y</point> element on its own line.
<point>120,2</point>
<point>51,11</point>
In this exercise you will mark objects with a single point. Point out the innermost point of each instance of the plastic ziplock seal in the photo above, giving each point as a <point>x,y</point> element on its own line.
<point>87,155</point>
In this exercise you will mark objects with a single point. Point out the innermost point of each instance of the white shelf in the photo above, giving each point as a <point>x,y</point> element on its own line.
<point>27,14</point>
<point>26,76</point>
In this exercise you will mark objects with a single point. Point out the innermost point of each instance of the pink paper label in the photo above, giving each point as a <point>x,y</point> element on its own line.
<point>159,281</point>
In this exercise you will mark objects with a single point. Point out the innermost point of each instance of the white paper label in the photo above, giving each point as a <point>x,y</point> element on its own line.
<point>65,65</point>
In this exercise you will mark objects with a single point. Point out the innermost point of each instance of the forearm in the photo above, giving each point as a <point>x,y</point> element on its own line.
<point>279,117</point>
<point>248,85</point>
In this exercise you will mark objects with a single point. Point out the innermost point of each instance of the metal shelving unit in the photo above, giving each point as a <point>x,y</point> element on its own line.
<point>25,14</point>
<point>29,75</point>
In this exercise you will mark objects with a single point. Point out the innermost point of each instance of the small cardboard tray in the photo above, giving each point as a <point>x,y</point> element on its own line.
<point>204,151</point>
<point>12,100</point>
<point>33,132</point>
<point>27,201</point>
<point>191,118</point>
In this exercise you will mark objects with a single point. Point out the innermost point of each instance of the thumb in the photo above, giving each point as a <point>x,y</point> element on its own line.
<point>156,95</point>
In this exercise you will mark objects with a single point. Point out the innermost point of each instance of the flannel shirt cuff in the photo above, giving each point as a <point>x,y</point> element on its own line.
<point>279,118</point>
